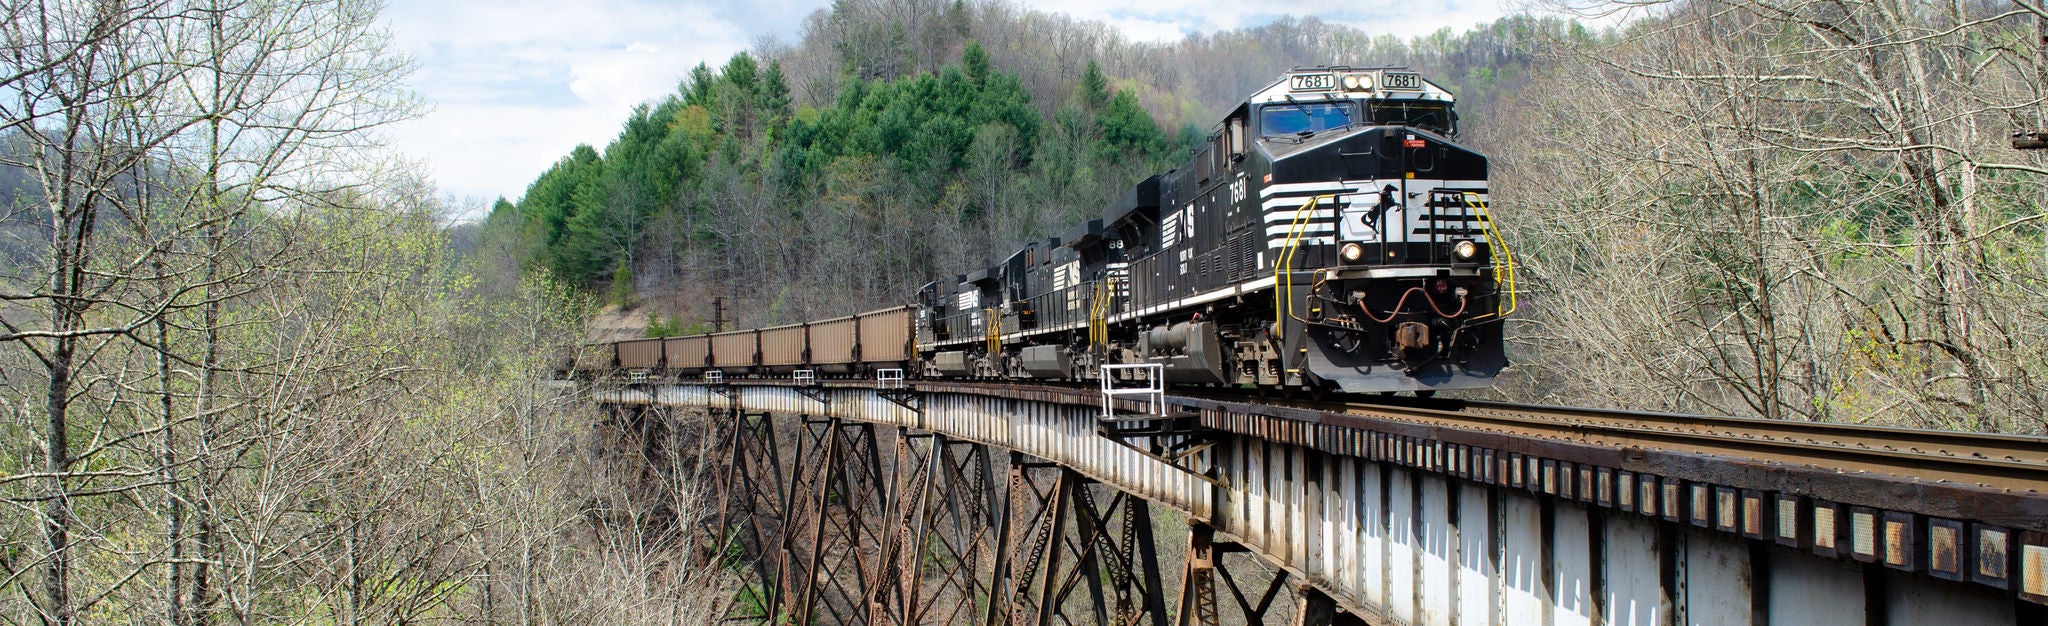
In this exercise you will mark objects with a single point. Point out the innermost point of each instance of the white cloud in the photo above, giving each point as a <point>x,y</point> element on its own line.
<point>1147,28</point>
<point>515,84</point>
<point>1166,20</point>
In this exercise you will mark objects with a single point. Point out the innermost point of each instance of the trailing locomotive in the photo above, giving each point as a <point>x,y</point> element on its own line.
<point>1328,236</point>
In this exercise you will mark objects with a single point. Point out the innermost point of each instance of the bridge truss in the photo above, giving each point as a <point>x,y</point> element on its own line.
<point>843,503</point>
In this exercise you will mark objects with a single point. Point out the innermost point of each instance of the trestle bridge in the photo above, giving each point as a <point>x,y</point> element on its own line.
<point>886,502</point>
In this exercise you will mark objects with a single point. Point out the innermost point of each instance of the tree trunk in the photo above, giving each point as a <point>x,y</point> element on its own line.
<point>173,508</point>
<point>72,225</point>
<point>57,609</point>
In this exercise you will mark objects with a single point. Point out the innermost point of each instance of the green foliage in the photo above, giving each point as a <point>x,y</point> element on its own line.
<point>622,287</point>
<point>697,90</point>
<point>1094,88</point>
<point>676,162</point>
<point>974,61</point>
<point>925,122</point>
<point>1127,128</point>
<point>773,97</point>
<point>503,209</point>
<point>587,212</point>
<point>658,327</point>
<point>795,202</point>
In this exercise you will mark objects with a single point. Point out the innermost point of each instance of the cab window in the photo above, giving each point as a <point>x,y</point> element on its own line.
<point>1433,116</point>
<point>1280,120</point>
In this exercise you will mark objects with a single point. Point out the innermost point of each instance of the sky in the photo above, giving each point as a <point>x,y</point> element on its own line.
<point>512,85</point>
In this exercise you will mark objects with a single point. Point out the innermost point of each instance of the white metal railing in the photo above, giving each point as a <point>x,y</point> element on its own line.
<point>1152,395</point>
<point>891,378</point>
<point>714,376</point>
<point>638,376</point>
<point>805,378</point>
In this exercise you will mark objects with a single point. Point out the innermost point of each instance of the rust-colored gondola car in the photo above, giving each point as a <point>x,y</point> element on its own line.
<point>885,337</point>
<point>737,352</point>
<point>783,348</point>
<point>688,356</point>
<point>832,343</point>
<point>640,354</point>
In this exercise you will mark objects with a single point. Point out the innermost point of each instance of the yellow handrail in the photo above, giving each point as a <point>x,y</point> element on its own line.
<point>1503,260</point>
<point>1283,285</point>
<point>1098,312</point>
<point>995,331</point>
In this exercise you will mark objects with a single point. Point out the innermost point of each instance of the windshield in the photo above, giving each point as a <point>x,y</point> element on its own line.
<point>1280,120</point>
<point>1434,116</point>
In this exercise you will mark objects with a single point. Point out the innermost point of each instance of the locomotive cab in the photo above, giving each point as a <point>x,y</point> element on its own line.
<point>1017,282</point>
<point>933,300</point>
<point>1384,271</point>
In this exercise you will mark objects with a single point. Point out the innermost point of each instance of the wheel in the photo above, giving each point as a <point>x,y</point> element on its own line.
<point>1426,393</point>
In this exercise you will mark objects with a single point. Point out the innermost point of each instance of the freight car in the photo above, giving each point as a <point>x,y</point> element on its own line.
<point>1329,235</point>
<point>854,344</point>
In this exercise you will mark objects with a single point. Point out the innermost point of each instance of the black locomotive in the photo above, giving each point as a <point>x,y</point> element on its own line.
<point>1328,236</point>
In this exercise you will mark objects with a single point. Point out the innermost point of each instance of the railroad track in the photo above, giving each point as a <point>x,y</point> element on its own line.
<point>2014,463</point>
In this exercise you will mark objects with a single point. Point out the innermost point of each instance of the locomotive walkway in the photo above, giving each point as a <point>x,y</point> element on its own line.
<point>961,503</point>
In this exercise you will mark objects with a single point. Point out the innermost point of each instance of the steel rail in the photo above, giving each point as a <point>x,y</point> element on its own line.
<point>1988,449</point>
<point>2017,463</point>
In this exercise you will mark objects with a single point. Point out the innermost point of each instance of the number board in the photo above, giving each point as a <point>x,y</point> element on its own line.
<point>1312,82</point>
<point>1401,80</point>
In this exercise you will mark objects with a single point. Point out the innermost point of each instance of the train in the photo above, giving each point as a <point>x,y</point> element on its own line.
<point>1329,235</point>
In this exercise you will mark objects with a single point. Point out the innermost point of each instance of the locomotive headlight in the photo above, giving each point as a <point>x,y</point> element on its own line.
<point>1465,250</point>
<point>1352,252</point>
<point>1351,82</point>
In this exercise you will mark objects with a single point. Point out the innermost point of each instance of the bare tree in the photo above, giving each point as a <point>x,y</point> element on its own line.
<point>1821,202</point>
<point>83,83</point>
<point>154,129</point>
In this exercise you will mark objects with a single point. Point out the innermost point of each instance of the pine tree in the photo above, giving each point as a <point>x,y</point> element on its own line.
<point>975,61</point>
<point>1094,88</point>
<point>774,98</point>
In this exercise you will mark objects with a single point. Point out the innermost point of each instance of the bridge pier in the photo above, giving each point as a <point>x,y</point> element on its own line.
<point>1074,543</point>
<point>1314,608</point>
<point>1198,579</point>
<point>834,530</point>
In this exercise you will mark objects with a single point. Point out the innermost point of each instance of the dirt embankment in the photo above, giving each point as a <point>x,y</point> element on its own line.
<point>613,323</point>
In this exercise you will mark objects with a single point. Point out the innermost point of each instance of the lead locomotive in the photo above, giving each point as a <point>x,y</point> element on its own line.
<point>1329,235</point>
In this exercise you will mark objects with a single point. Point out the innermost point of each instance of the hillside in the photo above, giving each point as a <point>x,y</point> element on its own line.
<point>877,153</point>
<point>1717,210</point>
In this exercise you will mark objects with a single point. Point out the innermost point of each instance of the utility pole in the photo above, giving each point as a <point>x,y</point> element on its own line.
<point>718,314</point>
